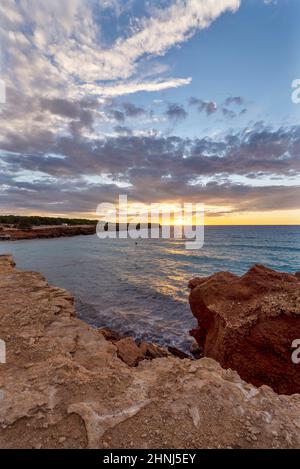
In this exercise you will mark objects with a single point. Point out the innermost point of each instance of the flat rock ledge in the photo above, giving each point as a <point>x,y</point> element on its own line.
<point>249,324</point>
<point>64,386</point>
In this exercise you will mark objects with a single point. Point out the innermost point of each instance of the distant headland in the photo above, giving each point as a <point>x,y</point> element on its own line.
<point>17,227</point>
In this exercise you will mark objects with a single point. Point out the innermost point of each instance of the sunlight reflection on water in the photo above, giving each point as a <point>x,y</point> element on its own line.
<point>141,288</point>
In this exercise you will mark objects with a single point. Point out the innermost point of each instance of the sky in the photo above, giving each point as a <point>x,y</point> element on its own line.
<point>165,101</point>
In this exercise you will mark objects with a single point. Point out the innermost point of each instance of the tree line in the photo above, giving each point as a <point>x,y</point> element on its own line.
<point>20,221</point>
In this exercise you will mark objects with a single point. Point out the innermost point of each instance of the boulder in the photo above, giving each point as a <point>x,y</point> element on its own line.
<point>128,351</point>
<point>110,335</point>
<point>152,351</point>
<point>131,352</point>
<point>249,323</point>
<point>6,262</point>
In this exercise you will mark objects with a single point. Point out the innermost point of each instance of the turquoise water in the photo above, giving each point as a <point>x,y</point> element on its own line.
<point>141,289</point>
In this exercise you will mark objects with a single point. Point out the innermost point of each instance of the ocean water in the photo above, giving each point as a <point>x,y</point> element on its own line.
<point>141,288</point>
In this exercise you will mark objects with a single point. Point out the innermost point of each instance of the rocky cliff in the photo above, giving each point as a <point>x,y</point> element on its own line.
<point>64,386</point>
<point>249,323</point>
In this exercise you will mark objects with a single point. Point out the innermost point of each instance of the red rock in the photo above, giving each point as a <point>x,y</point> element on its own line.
<point>110,335</point>
<point>128,351</point>
<point>146,350</point>
<point>248,323</point>
<point>132,353</point>
<point>152,351</point>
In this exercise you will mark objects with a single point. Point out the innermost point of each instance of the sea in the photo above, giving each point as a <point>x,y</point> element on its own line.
<point>139,287</point>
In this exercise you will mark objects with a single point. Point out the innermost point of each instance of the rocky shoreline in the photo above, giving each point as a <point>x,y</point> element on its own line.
<point>45,232</point>
<point>64,385</point>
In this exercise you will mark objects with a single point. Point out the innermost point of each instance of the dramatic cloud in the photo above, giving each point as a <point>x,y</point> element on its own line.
<point>176,112</point>
<point>166,28</point>
<point>122,130</point>
<point>124,88</point>
<point>70,140</point>
<point>133,111</point>
<point>152,169</point>
<point>208,106</point>
<point>78,112</point>
<point>117,115</point>
<point>59,46</point>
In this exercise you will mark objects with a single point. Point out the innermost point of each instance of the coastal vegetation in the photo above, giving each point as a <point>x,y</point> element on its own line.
<point>26,222</point>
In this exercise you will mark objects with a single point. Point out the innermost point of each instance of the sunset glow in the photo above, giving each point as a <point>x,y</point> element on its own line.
<point>97,108</point>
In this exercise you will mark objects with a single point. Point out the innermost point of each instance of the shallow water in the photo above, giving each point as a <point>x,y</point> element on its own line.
<point>141,288</point>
